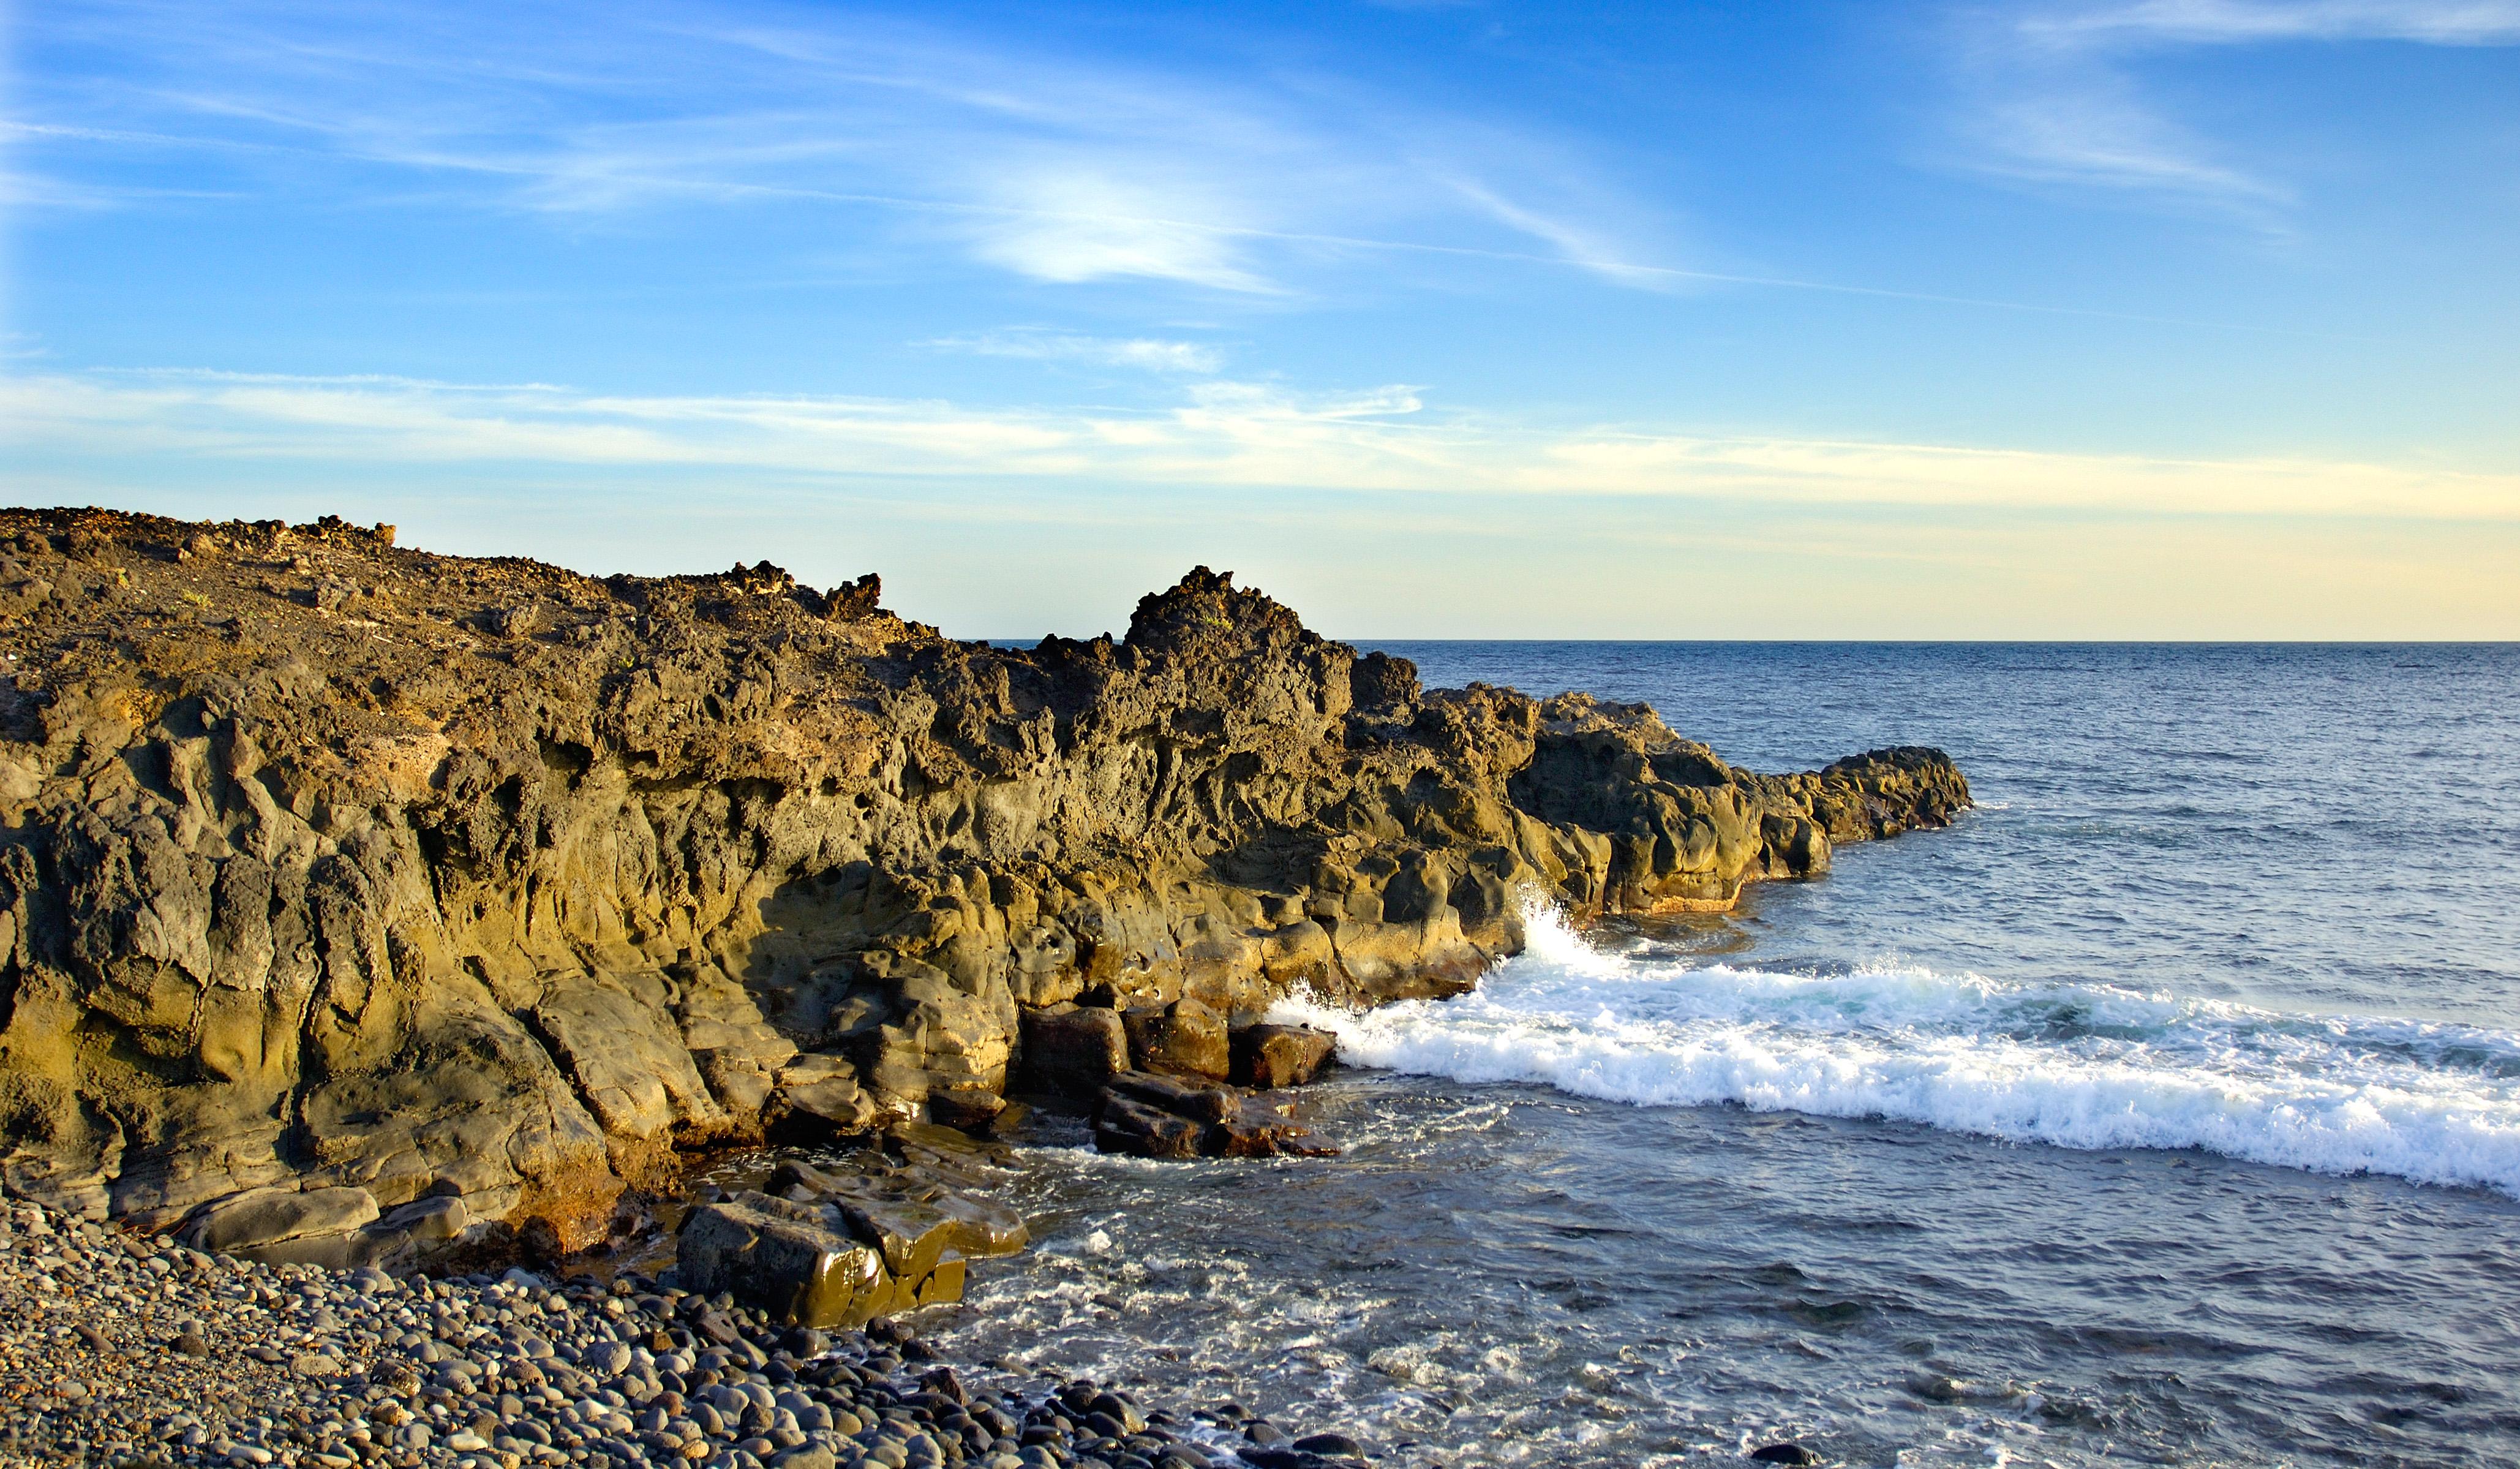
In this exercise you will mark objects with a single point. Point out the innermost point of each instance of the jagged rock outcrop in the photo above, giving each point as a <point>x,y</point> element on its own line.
<point>334,866</point>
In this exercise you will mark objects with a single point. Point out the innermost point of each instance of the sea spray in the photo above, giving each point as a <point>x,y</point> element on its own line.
<point>2080,1066</point>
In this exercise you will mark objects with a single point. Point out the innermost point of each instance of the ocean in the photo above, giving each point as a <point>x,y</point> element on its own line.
<point>2165,1110</point>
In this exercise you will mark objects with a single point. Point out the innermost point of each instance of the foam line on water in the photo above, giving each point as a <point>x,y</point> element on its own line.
<point>2080,1066</point>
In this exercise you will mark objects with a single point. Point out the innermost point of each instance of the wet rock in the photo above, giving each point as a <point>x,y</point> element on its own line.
<point>911,1234</point>
<point>1207,1104</point>
<point>1185,1038</point>
<point>1254,1129</point>
<point>782,1258</point>
<point>1269,1057</point>
<point>1149,1115</point>
<point>1124,1124</point>
<point>1785,1453</point>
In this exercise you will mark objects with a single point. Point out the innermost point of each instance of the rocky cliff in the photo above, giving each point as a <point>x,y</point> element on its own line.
<point>353,880</point>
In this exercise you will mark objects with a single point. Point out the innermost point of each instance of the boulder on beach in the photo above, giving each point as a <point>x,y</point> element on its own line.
<point>782,1258</point>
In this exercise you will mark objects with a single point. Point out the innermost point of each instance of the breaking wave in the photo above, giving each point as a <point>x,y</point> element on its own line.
<point>2078,1066</point>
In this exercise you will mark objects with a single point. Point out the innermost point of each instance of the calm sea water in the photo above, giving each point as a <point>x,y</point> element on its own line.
<point>2166,1110</point>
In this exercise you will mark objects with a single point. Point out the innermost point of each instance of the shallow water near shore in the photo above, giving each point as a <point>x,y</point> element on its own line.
<point>2166,1110</point>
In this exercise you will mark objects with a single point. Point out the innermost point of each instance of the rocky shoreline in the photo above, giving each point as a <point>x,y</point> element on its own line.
<point>359,904</point>
<point>368,917</point>
<point>121,1349</point>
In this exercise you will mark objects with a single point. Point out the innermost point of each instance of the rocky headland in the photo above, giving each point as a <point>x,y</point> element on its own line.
<point>361,906</point>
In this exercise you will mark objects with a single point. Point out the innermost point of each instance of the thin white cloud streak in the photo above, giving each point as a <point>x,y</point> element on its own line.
<point>2052,93</point>
<point>1147,353</point>
<point>2438,22</point>
<point>1053,166</point>
<point>1222,436</point>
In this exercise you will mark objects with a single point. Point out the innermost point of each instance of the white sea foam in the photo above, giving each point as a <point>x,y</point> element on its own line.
<point>2078,1066</point>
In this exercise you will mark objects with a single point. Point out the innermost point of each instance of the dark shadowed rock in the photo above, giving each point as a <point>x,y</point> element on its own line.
<point>1073,1048</point>
<point>1124,1124</point>
<point>1152,1116</point>
<point>1288,1457</point>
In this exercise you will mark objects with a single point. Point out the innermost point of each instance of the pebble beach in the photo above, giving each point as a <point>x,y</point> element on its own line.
<point>122,1349</point>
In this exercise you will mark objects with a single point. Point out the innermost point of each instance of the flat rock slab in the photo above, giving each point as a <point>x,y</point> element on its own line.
<point>1210,1104</point>
<point>270,1215</point>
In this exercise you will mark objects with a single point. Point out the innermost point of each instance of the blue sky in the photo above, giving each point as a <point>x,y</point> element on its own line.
<point>2126,318</point>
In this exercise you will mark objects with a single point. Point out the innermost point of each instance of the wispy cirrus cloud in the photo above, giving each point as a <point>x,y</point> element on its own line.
<point>2057,93</point>
<point>1152,354</point>
<point>1054,165</point>
<point>2438,23</point>
<point>1220,435</point>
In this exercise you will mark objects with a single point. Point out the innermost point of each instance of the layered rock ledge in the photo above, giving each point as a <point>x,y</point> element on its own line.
<point>355,900</point>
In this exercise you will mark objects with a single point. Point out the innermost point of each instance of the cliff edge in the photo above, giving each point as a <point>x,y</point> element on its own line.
<point>343,883</point>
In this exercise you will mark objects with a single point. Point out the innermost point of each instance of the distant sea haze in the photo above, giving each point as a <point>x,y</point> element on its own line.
<point>2168,1106</point>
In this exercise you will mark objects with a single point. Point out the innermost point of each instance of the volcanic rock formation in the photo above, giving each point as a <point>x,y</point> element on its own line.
<point>343,883</point>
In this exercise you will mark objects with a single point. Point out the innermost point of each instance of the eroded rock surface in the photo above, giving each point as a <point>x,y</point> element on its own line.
<point>338,868</point>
